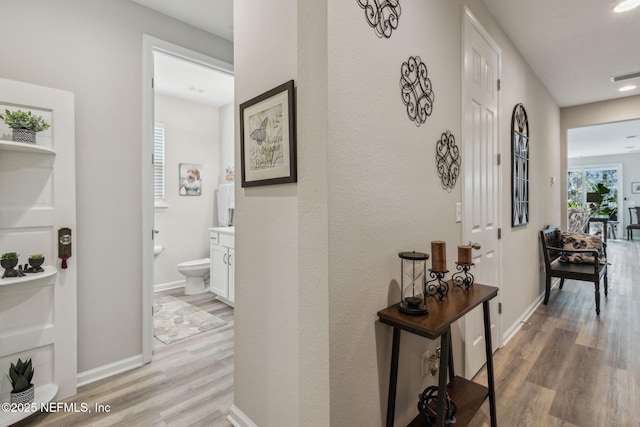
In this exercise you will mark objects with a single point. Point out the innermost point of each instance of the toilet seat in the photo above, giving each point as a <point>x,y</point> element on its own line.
<point>195,264</point>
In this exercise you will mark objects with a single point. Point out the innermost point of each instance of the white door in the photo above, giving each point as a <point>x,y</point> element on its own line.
<point>481,191</point>
<point>37,198</point>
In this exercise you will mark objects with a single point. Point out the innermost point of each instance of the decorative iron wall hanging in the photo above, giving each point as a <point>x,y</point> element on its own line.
<point>382,15</point>
<point>519,167</point>
<point>448,160</point>
<point>417,92</point>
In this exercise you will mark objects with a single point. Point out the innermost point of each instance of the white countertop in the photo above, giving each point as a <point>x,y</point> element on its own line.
<point>226,230</point>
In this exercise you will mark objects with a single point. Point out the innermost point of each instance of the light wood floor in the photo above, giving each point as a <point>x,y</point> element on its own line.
<point>566,367</point>
<point>188,383</point>
<point>569,367</point>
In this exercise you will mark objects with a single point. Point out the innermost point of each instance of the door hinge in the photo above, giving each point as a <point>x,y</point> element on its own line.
<point>499,85</point>
<point>499,158</point>
<point>499,233</point>
<point>499,308</point>
<point>153,83</point>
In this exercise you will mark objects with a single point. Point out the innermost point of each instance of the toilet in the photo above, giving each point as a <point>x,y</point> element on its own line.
<point>196,272</point>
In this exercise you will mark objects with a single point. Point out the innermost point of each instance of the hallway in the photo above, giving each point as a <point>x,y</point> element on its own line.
<point>569,367</point>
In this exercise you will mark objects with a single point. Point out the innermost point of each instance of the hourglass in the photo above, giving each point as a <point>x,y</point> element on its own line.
<point>413,266</point>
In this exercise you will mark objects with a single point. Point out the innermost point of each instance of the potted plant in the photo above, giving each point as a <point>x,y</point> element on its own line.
<point>24,125</point>
<point>36,261</point>
<point>9,260</point>
<point>20,375</point>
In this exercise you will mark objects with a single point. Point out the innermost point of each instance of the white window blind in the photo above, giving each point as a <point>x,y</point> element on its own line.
<point>158,163</point>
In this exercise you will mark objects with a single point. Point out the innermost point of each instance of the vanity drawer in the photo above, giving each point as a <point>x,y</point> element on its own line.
<point>226,240</point>
<point>214,238</point>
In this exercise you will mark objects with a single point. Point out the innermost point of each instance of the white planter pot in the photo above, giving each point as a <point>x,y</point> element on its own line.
<point>24,135</point>
<point>23,396</point>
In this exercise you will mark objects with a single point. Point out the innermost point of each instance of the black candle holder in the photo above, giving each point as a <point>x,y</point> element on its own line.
<point>462,277</point>
<point>437,287</point>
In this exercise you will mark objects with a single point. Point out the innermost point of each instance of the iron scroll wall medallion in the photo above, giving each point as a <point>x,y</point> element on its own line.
<point>519,167</point>
<point>382,15</point>
<point>417,92</point>
<point>448,160</point>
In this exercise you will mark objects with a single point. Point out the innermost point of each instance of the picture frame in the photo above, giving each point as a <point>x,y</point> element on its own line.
<point>635,187</point>
<point>189,179</point>
<point>268,138</point>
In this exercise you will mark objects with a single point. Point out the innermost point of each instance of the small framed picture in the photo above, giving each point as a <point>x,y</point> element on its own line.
<point>268,138</point>
<point>635,187</point>
<point>190,180</point>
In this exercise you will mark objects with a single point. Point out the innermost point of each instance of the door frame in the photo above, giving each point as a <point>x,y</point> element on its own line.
<point>150,45</point>
<point>468,16</point>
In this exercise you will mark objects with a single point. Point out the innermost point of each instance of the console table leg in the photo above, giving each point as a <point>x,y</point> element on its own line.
<point>489,349</point>
<point>393,377</point>
<point>445,345</point>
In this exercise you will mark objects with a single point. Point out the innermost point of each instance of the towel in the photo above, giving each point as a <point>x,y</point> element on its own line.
<point>226,201</point>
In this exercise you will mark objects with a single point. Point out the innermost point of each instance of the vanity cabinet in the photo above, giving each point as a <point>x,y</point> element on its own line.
<point>222,277</point>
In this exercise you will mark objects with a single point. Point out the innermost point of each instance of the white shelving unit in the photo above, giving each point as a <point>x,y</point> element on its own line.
<point>49,271</point>
<point>25,148</point>
<point>43,394</point>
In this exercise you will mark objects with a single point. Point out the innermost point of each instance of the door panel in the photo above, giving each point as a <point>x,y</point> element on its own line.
<point>481,193</point>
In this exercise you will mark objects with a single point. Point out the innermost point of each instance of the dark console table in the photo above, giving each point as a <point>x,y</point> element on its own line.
<point>467,395</point>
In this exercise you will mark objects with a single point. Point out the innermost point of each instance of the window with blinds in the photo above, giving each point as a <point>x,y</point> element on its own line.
<point>158,164</point>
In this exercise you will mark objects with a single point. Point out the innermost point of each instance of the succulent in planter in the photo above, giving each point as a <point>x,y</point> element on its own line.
<point>20,375</point>
<point>35,261</point>
<point>24,125</point>
<point>9,260</point>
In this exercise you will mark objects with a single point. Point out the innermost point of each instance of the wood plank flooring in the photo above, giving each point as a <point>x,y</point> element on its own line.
<point>188,383</point>
<point>566,367</point>
<point>569,367</point>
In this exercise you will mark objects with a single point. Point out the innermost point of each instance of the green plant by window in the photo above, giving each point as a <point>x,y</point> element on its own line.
<point>20,120</point>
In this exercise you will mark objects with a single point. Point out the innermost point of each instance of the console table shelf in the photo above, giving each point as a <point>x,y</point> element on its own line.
<point>467,395</point>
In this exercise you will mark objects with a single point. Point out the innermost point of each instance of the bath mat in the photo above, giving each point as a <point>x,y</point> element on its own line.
<point>174,319</point>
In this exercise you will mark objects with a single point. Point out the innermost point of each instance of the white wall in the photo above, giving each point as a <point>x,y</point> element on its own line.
<point>367,189</point>
<point>94,49</point>
<point>192,135</point>
<point>227,140</point>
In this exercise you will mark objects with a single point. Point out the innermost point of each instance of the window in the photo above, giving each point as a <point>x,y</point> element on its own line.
<point>598,180</point>
<point>158,165</point>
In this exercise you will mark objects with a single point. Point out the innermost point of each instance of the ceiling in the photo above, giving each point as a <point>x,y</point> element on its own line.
<point>573,46</point>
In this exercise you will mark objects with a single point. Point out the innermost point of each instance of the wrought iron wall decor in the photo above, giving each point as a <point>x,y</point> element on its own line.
<point>382,15</point>
<point>448,160</point>
<point>519,167</point>
<point>417,92</point>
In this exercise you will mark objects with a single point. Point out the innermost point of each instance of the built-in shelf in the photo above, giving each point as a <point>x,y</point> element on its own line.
<point>49,271</point>
<point>23,147</point>
<point>43,394</point>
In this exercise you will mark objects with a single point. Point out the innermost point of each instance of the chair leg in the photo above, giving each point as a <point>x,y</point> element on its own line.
<point>561,283</point>
<point>606,283</point>
<point>597,286</point>
<point>547,290</point>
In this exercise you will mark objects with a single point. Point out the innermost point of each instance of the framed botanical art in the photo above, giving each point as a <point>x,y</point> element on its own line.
<point>268,138</point>
<point>519,167</point>
<point>635,187</point>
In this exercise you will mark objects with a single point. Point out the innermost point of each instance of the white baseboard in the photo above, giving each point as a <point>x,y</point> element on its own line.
<point>238,418</point>
<point>101,372</point>
<point>169,285</point>
<point>515,327</point>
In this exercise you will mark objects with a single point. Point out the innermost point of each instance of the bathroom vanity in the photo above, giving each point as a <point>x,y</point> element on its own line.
<point>222,278</point>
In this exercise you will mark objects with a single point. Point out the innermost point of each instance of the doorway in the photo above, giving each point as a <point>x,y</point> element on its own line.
<point>158,53</point>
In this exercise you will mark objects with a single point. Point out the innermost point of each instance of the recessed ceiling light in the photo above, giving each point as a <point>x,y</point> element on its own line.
<point>627,88</point>
<point>626,5</point>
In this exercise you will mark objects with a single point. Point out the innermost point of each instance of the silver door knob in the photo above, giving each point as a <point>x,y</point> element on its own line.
<point>475,246</point>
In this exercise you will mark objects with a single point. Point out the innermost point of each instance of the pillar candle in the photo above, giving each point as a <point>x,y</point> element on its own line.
<point>464,254</point>
<point>438,256</point>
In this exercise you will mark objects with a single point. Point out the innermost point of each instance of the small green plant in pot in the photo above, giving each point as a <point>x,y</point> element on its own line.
<point>9,260</point>
<point>20,375</point>
<point>36,261</point>
<point>24,125</point>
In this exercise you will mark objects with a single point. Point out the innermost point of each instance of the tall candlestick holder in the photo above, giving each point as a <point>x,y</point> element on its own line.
<point>462,277</point>
<point>437,287</point>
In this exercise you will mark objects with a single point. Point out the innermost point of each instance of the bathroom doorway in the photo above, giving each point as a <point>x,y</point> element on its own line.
<point>188,111</point>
